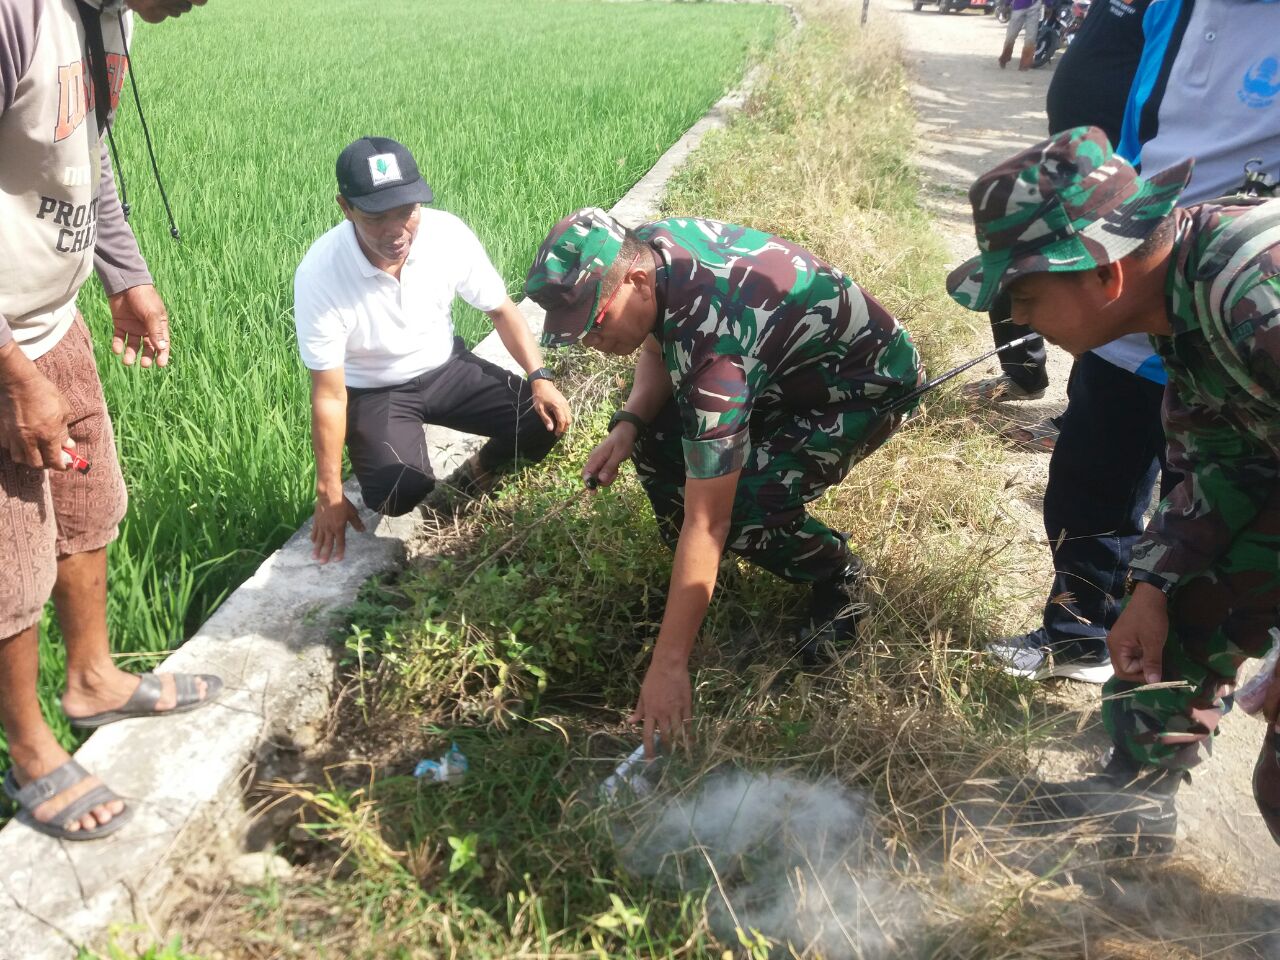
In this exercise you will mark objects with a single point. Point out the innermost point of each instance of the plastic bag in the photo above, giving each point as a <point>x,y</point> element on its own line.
<point>450,767</point>
<point>1251,696</point>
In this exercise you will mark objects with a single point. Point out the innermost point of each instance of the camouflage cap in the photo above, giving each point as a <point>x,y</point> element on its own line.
<point>1068,203</point>
<point>569,270</point>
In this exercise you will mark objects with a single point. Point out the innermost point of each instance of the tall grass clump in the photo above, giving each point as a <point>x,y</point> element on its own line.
<point>517,111</point>
<point>522,632</point>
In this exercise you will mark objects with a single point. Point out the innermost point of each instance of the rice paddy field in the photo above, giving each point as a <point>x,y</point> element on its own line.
<point>517,111</point>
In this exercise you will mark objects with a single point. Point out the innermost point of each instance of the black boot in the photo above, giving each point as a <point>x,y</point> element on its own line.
<point>1128,806</point>
<point>835,606</point>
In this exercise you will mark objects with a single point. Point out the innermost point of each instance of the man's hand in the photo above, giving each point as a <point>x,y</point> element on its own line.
<point>1137,640</point>
<point>665,705</point>
<point>603,462</point>
<point>329,528</point>
<point>154,11</point>
<point>33,414</point>
<point>141,324</point>
<point>551,406</point>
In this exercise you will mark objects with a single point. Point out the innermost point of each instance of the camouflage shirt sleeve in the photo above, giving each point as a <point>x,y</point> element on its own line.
<point>715,408</point>
<point>1228,470</point>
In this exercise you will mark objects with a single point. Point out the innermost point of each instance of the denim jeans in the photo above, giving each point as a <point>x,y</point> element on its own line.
<point>1109,452</point>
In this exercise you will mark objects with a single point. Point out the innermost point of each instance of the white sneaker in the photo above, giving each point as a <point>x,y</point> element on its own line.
<point>1028,656</point>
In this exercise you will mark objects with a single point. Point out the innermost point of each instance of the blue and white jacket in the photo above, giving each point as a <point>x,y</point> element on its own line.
<point>1207,86</point>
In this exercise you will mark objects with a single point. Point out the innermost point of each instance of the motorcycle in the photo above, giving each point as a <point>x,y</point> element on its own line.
<point>1079,9</point>
<point>1054,21</point>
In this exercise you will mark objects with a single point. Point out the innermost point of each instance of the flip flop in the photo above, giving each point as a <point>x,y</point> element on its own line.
<point>49,786</point>
<point>144,699</point>
<point>999,388</point>
<point>1038,437</point>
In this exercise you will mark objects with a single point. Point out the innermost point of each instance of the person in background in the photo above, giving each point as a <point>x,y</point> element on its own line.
<point>1024,18</point>
<point>1089,87</point>
<point>764,374</point>
<point>372,302</point>
<point>59,219</point>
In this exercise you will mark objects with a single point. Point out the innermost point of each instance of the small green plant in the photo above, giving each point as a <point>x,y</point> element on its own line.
<point>464,859</point>
<point>172,950</point>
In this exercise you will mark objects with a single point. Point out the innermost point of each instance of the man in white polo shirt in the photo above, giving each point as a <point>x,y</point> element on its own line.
<point>372,301</point>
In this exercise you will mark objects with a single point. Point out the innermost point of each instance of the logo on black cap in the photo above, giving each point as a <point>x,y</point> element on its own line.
<point>377,174</point>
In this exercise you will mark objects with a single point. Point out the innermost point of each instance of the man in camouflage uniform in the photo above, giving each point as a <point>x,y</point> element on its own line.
<point>1090,251</point>
<point>764,374</point>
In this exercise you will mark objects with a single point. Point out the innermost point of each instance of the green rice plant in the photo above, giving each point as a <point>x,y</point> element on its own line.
<point>517,111</point>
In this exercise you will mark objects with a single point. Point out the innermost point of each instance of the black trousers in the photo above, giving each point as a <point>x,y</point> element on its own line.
<point>385,439</point>
<point>1024,365</point>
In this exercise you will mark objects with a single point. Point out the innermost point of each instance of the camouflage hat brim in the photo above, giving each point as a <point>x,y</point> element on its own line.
<point>566,326</point>
<point>569,270</point>
<point>1082,245</point>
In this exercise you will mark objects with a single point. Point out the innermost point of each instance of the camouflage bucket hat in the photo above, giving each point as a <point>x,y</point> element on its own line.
<point>1068,203</point>
<point>569,270</point>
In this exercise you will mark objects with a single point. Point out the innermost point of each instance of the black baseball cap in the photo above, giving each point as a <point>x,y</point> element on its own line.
<point>376,174</point>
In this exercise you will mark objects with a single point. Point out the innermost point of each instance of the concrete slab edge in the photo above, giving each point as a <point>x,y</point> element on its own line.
<point>269,641</point>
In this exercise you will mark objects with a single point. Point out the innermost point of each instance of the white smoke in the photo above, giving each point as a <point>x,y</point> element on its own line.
<point>797,862</point>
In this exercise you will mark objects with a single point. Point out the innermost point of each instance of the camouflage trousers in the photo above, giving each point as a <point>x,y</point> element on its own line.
<point>793,459</point>
<point>1217,620</point>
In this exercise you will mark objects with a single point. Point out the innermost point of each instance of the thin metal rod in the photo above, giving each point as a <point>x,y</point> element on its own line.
<point>942,378</point>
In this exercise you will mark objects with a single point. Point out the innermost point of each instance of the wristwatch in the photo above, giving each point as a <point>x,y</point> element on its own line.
<point>1135,577</point>
<point>624,416</point>
<point>542,373</point>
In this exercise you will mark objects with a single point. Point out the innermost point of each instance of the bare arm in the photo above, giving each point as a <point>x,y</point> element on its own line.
<point>650,390</point>
<point>514,333</point>
<point>515,336</point>
<point>33,413</point>
<point>328,434</point>
<point>666,701</point>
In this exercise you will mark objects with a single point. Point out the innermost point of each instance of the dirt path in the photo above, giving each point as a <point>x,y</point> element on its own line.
<point>971,115</point>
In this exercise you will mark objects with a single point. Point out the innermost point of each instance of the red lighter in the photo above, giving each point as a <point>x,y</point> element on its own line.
<point>78,463</point>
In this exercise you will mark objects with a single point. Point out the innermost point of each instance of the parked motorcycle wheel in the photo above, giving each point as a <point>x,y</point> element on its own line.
<point>917,5</point>
<point>944,6</point>
<point>1047,42</point>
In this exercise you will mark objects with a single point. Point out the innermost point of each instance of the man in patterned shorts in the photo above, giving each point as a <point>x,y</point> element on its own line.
<point>59,218</point>
<point>1090,251</point>
<point>764,374</point>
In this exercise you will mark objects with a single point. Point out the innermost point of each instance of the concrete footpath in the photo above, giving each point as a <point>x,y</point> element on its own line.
<point>185,776</point>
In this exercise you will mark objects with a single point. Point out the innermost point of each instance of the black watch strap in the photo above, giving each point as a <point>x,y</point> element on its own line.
<point>624,416</point>
<point>1136,577</point>
<point>542,373</point>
